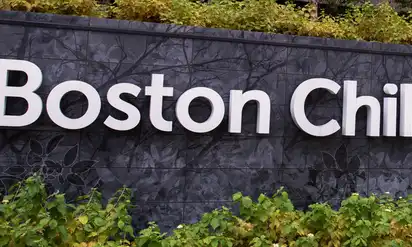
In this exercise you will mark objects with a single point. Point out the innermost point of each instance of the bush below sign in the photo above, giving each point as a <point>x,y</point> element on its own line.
<point>29,216</point>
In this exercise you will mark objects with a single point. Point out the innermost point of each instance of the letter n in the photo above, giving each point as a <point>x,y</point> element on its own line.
<point>238,99</point>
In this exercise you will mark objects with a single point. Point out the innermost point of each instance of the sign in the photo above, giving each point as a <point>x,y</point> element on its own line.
<point>157,91</point>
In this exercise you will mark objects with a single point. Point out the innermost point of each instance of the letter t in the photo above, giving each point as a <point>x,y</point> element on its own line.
<point>157,92</point>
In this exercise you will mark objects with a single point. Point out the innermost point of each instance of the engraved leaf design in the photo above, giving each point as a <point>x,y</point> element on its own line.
<point>53,143</point>
<point>328,160</point>
<point>83,166</point>
<point>354,163</point>
<point>341,157</point>
<point>53,166</point>
<point>154,152</point>
<point>15,170</point>
<point>33,158</point>
<point>36,147</point>
<point>71,156</point>
<point>75,179</point>
<point>61,179</point>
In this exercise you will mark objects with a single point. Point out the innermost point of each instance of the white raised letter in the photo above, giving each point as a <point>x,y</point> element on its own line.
<point>215,118</point>
<point>297,107</point>
<point>238,99</point>
<point>57,93</point>
<point>157,91</point>
<point>405,126</point>
<point>390,115</point>
<point>133,114</point>
<point>351,105</point>
<point>34,102</point>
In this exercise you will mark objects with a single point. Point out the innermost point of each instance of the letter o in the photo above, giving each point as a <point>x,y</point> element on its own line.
<point>55,113</point>
<point>215,118</point>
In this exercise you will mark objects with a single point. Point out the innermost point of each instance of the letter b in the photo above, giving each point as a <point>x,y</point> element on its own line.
<point>34,80</point>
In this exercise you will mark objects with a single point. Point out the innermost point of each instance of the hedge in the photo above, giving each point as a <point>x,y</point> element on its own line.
<point>29,216</point>
<point>363,22</point>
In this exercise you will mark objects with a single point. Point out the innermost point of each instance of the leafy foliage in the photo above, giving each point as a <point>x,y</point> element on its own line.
<point>273,221</point>
<point>360,22</point>
<point>65,7</point>
<point>31,217</point>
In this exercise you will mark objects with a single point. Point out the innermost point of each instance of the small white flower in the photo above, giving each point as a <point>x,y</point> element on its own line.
<point>310,235</point>
<point>400,197</point>
<point>179,226</point>
<point>275,245</point>
<point>387,193</point>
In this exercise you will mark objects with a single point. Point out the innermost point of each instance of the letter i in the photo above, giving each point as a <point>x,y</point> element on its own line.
<point>390,110</point>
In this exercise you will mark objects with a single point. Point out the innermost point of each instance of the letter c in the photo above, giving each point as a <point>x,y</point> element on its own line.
<point>297,107</point>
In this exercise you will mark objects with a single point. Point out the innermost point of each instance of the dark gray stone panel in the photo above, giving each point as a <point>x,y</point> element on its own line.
<point>329,63</point>
<point>396,182</point>
<point>234,152</point>
<point>14,41</point>
<point>305,152</point>
<point>220,184</point>
<point>194,211</point>
<point>57,43</point>
<point>323,184</point>
<point>393,68</point>
<point>166,215</point>
<point>120,48</point>
<point>148,185</point>
<point>178,175</point>
<point>390,153</point>
<point>135,150</point>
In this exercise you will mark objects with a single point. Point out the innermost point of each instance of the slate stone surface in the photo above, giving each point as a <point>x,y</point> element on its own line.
<point>179,175</point>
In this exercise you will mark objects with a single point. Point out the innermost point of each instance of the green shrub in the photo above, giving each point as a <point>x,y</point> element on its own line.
<point>273,221</point>
<point>64,7</point>
<point>363,22</point>
<point>31,217</point>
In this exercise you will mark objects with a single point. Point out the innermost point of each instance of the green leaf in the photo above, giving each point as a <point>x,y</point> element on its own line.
<point>44,222</point>
<point>63,232</point>
<point>4,241</point>
<point>84,219</point>
<point>129,229</point>
<point>215,243</point>
<point>53,224</point>
<point>247,202</point>
<point>214,223</point>
<point>237,196</point>
<point>120,224</point>
<point>99,221</point>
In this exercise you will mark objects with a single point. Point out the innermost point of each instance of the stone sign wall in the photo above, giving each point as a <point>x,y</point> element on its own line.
<point>179,175</point>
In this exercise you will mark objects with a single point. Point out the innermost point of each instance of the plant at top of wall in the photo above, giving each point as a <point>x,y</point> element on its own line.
<point>365,21</point>
<point>66,7</point>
